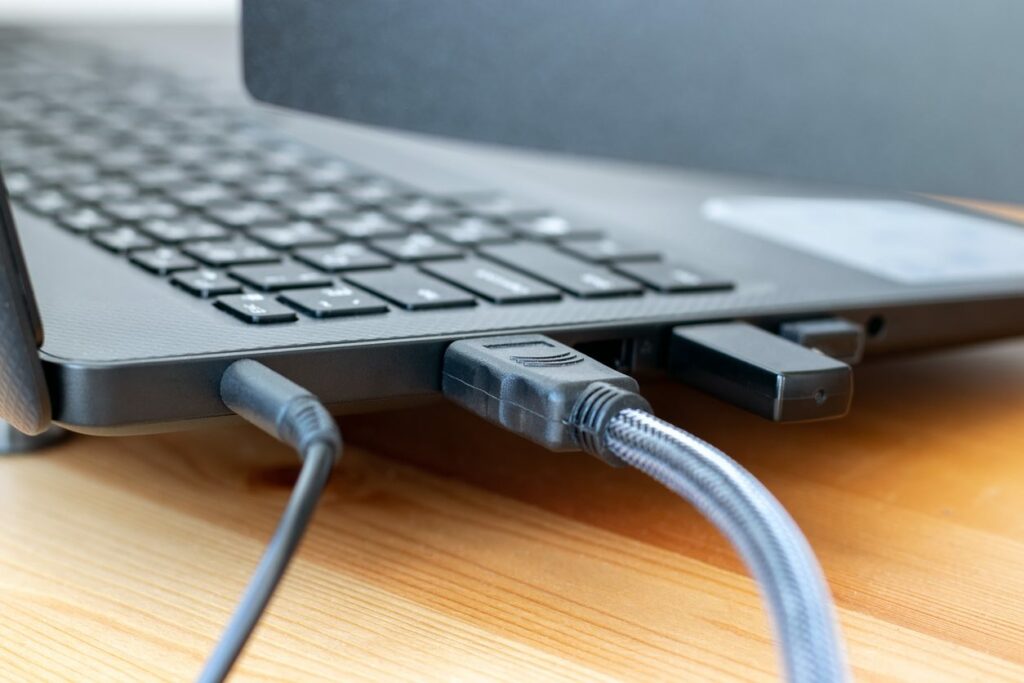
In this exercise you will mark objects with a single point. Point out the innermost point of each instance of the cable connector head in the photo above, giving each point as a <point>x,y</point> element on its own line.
<point>538,388</point>
<point>278,406</point>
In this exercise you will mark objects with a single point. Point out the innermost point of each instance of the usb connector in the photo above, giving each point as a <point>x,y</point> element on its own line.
<point>540,389</point>
<point>560,398</point>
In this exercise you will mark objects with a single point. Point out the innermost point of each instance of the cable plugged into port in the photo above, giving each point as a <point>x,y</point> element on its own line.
<point>761,372</point>
<point>562,399</point>
<point>294,416</point>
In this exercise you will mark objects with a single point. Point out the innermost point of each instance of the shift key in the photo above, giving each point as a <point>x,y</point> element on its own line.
<point>577,277</point>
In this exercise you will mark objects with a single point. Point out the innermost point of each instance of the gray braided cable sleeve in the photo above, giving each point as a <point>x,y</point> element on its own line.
<point>765,536</point>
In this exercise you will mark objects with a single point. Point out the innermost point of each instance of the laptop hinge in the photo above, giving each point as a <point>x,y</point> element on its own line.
<point>24,397</point>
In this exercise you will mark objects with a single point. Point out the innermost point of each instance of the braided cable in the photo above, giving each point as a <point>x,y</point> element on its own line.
<point>765,536</point>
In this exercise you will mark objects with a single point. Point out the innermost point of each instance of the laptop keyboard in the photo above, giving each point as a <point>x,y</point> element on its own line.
<point>272,231</point>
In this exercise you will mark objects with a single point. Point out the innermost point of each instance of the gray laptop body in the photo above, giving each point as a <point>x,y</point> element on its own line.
<point>127,352</point>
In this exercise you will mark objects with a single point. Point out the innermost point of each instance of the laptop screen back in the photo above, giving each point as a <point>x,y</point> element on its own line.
<point>923,95</point>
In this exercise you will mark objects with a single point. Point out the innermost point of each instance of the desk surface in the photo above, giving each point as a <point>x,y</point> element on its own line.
<point>445,549</point>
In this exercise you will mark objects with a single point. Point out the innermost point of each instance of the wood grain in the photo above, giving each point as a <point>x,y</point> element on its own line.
<point>447,550</point>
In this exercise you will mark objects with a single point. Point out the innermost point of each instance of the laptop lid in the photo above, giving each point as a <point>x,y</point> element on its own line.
<point>24,398</point>
<point>908,94</point>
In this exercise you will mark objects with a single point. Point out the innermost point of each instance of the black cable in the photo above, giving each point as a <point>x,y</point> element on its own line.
<point>295,416</point>
<point>556,396</point>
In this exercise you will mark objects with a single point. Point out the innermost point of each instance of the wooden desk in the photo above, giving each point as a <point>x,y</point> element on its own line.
<point>446,549</point>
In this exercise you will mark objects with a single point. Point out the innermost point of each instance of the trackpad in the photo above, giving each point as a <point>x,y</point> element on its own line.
<point>897,240</point>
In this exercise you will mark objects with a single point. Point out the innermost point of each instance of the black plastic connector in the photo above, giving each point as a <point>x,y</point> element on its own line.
<point>761,372</point>
<point>539,388</point>
<point>835,337</point>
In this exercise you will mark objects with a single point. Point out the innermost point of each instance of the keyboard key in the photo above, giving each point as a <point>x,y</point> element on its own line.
<point>122,240</point>
<point>188,228</point>
<point>366,224</point>
<point>416,247</point>
<point>609,251</point>
<point>58,123</point>
<point>229,170</point>
<point>291,235</point>
<point>84,219</point>
<point>550,227</point>
<point>271,187</point>
<point>157,138</point>
<point>561,270</point>
<point>244,214</point>
<point>470,231</point>
<point>139,208</point>
<point>123,160</point>
<point>286,156</point>
<point>86,146</point>
<point>372,191</point>
<point>27,158</point>
<point>418,209</point>
<point>276,277</point>
<point>334,302</point>
<point>492,282</point>
<point>206,283</point>
<point>494,206</point>
<point>198,155</point>
<point>342,257</point>
<point>668,277</point>
<point>411,289</point>
<point>256,309</point>
<point>199,194</point>
<point>236,252</point>
<point>316,204</point>
<point>66,173</point>
<point>159,177</point>
<point>47,202</point>
<point>101,190</point>
<point>325,173</point>
<point>163,261</point>
<point>19,184</point>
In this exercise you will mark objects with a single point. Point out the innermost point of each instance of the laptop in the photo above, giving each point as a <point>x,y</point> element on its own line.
<point>170,226</point>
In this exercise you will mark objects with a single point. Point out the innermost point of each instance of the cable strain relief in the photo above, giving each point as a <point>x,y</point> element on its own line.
<point>594,409</point>
<point>304,422</point>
